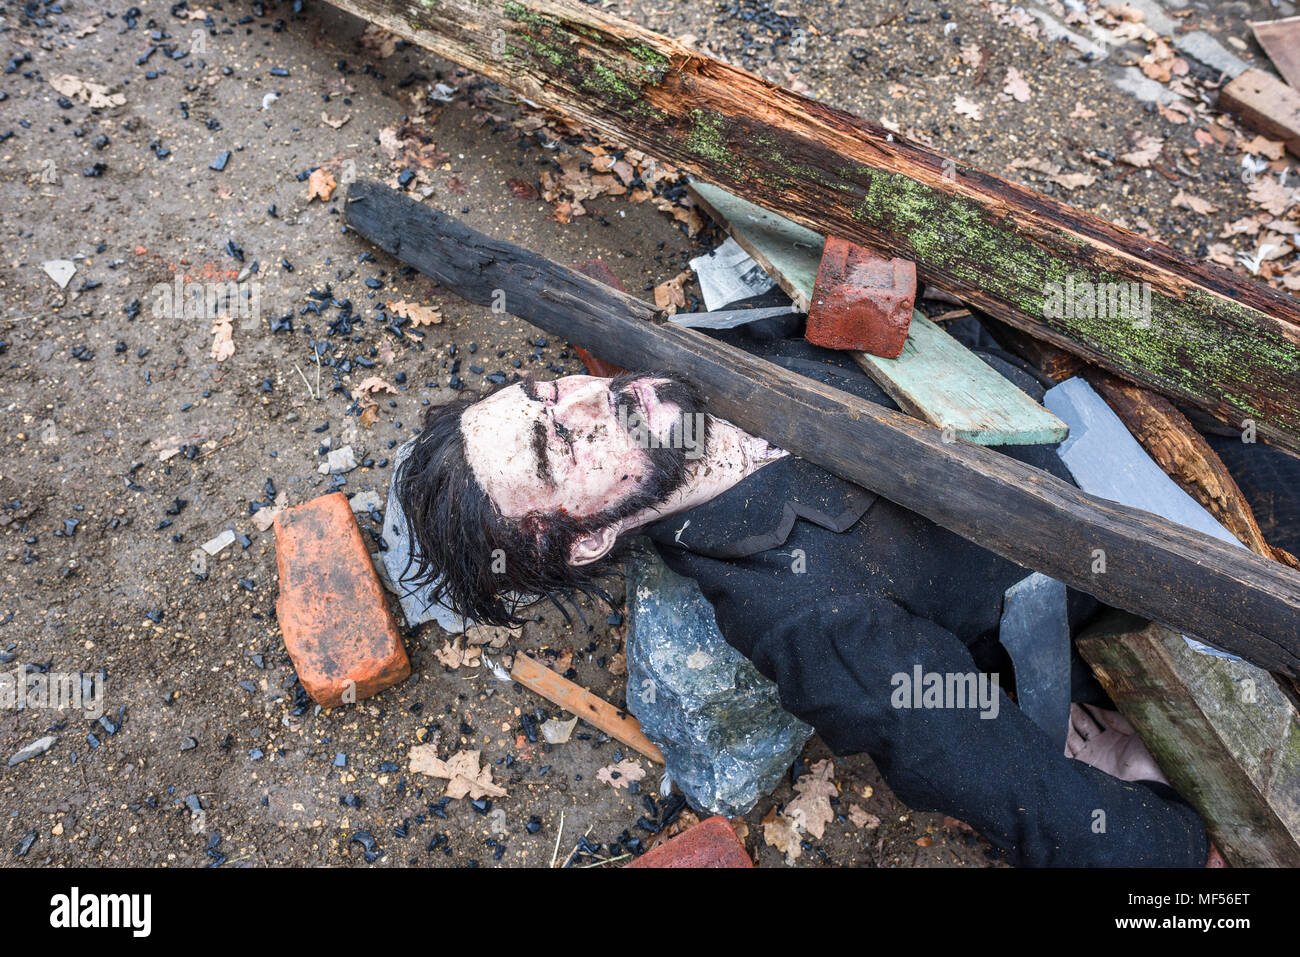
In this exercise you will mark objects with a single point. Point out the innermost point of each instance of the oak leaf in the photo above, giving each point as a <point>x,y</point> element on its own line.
<point>462,771</point>
<point>621,775</point>
<point>811,810</point>
<point>320,185</point>
<point>419,315</point>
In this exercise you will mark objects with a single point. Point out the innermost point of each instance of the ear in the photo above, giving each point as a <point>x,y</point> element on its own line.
<point>594,546</point>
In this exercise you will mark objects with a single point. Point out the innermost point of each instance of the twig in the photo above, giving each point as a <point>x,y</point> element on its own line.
<point>604,861</point>
<point>575,847</point>
<point>556,852</point>
<point>952,314</point>
<point>304,380</point>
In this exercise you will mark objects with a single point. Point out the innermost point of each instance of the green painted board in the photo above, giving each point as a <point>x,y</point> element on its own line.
<point>936,378</point>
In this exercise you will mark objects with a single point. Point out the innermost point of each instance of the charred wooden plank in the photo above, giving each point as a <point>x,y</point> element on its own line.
<point>1190,581</point>
<point>1223,342</point>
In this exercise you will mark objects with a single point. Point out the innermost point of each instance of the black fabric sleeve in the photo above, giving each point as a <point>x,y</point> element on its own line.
<point>834,660</point>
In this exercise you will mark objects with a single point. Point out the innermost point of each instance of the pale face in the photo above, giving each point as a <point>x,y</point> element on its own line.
<point>560,445</point>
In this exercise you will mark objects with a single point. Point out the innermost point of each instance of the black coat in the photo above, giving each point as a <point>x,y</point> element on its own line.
<point>833,591</point>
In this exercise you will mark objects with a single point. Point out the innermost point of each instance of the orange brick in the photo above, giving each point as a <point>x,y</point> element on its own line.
<point>333,615</point>
<point>711,843</point>
<point>861,300</point>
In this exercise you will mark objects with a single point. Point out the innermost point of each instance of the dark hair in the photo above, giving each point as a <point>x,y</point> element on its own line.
<point>456,529</point>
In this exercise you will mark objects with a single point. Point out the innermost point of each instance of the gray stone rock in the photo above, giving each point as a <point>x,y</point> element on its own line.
<point>33,750</point>
<point>725,737</point>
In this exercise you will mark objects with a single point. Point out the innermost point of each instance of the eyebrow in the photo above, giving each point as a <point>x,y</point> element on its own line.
<point>541,440</point>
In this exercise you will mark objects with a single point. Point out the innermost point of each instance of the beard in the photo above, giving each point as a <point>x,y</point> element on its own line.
<point>668,466</point>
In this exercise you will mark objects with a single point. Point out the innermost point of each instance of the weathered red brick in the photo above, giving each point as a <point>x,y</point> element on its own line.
<point>711,843</point>
<point>861,300</point>
<point>333,615</point>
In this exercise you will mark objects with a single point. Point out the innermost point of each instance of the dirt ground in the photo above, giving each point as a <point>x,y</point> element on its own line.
<point>125,445</point>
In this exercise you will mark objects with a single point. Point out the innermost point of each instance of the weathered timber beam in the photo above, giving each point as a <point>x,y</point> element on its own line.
<point>1222,732</point>
<point>1227,344</point>
<point>1152,567</point>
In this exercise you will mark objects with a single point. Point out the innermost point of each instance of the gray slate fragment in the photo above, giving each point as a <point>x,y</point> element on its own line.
<point>1106,460</point>
<point>1035,630</point>
<point>34,750</point>
<point>725,737</point>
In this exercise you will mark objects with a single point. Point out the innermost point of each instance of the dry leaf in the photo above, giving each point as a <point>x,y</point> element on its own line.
<point>1146,149</point>
<point>621,775</point>
<point>781,834</point>
<point>419,315</point>
<point>972,55</point>
<point>1173,115</point>
<point>861,818</point>
<point>373,384</point>
<point>968,108</point>
<point>1037,165</point>
<point>378,41</point>
<point>366,397</point>
<point>521,189</point>
<point>1194,203</point>
<point>320,185</point>
<point>333,123</point>
<point>94,95</point>
<point>1073,180</point>
<point>1015,86</point>
<point>811,810</point>
<point>391,142</point>
<point>1247,225</point>
<point>1081,112</point>
<point>1273,149</point>
<point>1222,253</point>
<point>454,654</point>
<point>671,295</point>
<point>462,771</point>
<point>223,342</point>
<point>1269,194</point>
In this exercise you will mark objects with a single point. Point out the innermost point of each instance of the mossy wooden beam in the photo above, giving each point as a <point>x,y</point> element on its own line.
<point>1226,344</point>
<point>1222,731</point>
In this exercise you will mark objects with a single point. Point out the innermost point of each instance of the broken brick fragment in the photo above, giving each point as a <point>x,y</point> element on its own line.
<point>335,621</point>
<point>861,300</point>
<point>711,843</point>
